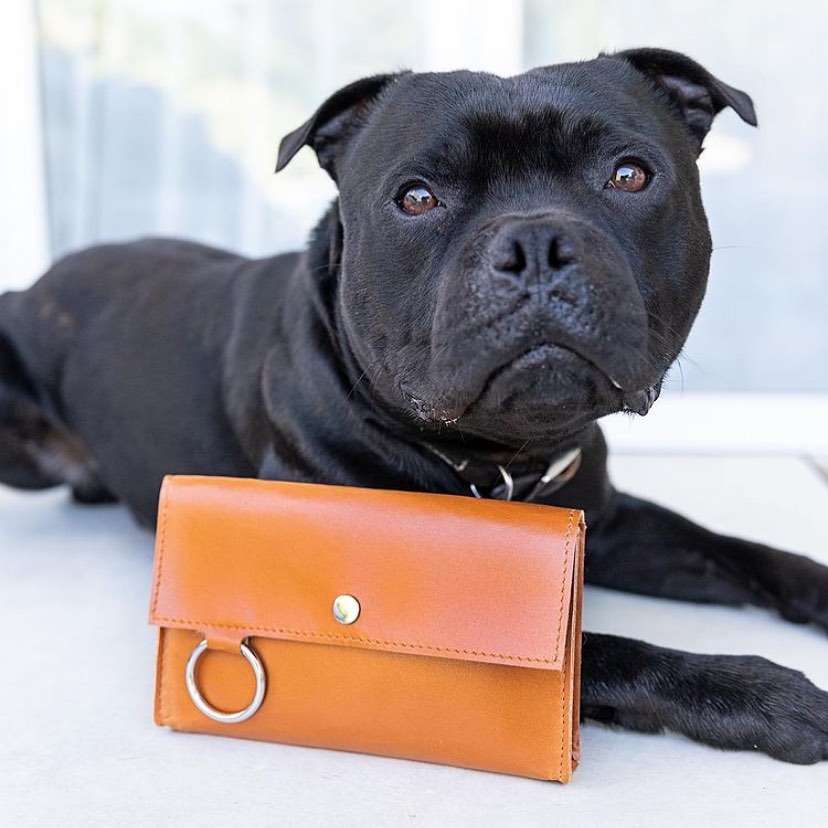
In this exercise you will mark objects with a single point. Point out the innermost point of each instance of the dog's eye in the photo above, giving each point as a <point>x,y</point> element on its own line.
<point>418,200</point>
<point>629,177</point>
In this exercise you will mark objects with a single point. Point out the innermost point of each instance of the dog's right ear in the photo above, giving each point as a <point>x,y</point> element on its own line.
<point>330,127</point>
<point>689,88</point>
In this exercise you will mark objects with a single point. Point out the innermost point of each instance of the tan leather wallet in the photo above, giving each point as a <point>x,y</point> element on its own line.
<point>430,627</point>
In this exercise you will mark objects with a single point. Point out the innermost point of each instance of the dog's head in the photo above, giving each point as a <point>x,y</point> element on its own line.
<point>520,255</point>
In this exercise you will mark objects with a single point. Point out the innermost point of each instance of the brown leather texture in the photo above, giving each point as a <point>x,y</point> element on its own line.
<point>466,650</point>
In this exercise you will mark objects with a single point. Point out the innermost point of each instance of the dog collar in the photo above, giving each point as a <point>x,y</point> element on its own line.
<point>526,487</point>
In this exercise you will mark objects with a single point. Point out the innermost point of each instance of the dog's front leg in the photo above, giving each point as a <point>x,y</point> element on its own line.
<point>730,702</point>
<point>644,548</point>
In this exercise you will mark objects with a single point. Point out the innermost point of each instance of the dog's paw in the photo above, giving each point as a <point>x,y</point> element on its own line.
<point>729,702</point>
<point>750,703</point>
<point>800,587</point>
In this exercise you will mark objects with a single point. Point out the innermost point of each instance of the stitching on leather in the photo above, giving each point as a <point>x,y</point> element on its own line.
<point>162,539</point>
<point>560,619</point>
<point>167,717</point>
<point>563,584</point>
<point>162,642</point>
<point>159,678</point>
<point>564,740</point>
<point>163,708</point>
<point>375,641</point>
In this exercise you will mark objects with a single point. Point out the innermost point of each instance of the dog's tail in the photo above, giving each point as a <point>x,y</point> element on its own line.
<point>24,431</point>
<point>36,451</point>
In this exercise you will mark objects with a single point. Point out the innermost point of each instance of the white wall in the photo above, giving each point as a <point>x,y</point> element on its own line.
<point>23,236</point>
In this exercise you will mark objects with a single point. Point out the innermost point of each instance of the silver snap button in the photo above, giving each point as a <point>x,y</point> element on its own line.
<point>346,609</point>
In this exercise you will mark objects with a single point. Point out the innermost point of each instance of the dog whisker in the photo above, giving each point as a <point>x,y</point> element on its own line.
<point>517,453</point>
<point>359,380</point>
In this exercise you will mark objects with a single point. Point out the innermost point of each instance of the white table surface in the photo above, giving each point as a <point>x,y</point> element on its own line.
<point>78,747</point>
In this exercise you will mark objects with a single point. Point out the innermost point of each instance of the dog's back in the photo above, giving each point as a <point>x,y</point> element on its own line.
<point>94,328</point>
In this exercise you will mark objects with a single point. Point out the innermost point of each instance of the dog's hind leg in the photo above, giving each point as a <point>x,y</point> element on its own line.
<point>36,451</point>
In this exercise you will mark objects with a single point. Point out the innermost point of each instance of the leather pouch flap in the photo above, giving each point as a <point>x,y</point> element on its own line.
<point>434,575</point>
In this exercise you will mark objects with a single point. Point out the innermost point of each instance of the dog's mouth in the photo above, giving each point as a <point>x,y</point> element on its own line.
<point>542,357</point>
<point>532,375</point>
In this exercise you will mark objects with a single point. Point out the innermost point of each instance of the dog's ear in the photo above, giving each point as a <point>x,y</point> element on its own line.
<point>691,90</point>
<point>336,120</point>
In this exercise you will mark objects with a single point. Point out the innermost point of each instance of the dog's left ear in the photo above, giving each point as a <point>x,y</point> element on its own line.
<point>336,120</point>
<point>690,88</point>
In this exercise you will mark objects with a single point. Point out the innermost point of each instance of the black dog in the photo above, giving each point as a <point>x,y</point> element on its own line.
<point>508,260</point>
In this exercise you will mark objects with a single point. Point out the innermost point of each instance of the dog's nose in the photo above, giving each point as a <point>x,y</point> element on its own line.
<point>528,248</point>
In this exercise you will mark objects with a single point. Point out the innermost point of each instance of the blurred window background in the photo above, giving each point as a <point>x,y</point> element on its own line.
<point>163,118</point>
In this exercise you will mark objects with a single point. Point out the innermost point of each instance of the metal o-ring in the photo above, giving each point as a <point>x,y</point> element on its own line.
<point>210,711</point>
